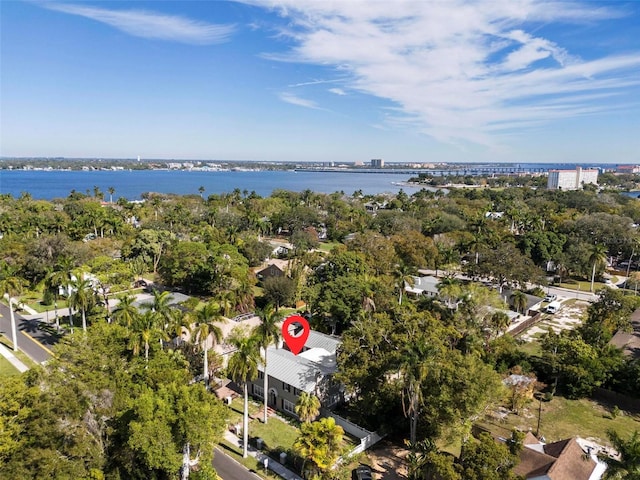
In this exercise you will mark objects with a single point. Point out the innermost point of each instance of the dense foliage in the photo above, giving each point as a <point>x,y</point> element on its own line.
<point>425,368</point>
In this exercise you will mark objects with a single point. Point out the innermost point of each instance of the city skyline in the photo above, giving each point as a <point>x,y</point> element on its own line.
<point>294,81</point>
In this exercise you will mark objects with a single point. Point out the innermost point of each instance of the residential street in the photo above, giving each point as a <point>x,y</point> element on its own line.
<point>35,338</point>
<point>229,469</point>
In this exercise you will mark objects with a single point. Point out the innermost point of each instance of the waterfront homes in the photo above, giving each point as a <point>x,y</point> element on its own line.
<point>310,371</point>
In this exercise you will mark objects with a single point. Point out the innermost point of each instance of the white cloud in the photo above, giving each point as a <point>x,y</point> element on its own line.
<point>295,100</point>
<point>459,71</point>
<point>141,23</point>
<point>337,91</point>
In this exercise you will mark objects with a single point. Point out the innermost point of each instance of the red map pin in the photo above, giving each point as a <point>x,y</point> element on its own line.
<point>295,331</point>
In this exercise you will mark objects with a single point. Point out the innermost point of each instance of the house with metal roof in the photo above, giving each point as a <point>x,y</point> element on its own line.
<point>427,285</point>
<point>310,371</point>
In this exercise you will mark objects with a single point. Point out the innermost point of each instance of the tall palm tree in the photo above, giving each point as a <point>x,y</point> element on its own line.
<point>145,329</point>
<point>628,466</point>
<point>416,365</point>
<point>243,368</point>
<point>81,298</point>
<point>126,312</point>
<point>519,299</point>
<point>10,285</point>
<point>403,275</point>
<point>597,256</point>
<point>307,407</point>
<point>111,191</point>
<point>449,288</point>
<point>160,306</point>
<point>206,320</point>
<point>64,269</point>
<point>267,333</point>
<point>52,284</point>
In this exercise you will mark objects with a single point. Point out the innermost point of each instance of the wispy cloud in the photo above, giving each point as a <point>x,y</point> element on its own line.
<point>301,102</point>
<point>146,24</point>
<point>337,91</point>
<point>456,70</point>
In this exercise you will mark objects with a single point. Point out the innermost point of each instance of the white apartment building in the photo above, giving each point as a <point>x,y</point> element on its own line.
<point>571,179</point>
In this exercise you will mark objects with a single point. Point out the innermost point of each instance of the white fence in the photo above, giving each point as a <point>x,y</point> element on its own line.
<point>367,438</point>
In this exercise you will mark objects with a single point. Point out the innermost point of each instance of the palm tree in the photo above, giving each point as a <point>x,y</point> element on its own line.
<point>10,285</point>
<point>52,282</point>
<point>81,297</point>
<point>160,306</point>
<point>179,321</point>
<point>598,256</point>
<point>519,299</point>
<point>403,276</point>
<point>267,333</point>
<point>111,191</point>
<point>415,367</point>
<point>243,368</point>
<point>628,466</point>
<point>449,288</point>
<point>320,443</point>
<point>307,407</point>
<point>126,312</point>
<point>64,269</point>
<point>145,329</point>
<point>205,325</point>
<point>499,322</point>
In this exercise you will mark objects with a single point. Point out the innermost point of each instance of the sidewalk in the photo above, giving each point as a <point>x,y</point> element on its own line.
<point>8,354</point>
<point>274,466</point>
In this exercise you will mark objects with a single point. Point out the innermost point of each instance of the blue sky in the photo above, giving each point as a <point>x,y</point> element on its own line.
<point>297,80</point>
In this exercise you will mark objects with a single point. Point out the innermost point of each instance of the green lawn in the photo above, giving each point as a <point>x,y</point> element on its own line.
<point>562,418</point>
<point>277,435</point>
<point>327,246</point>
<point>237,407</point>
<point>583,286</point>
<point>6,369</point>
<point>531,348</point>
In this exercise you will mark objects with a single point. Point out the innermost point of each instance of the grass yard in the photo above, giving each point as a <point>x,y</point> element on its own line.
<point>582,286</point>
<point>6,369</point>
<point>327,246</point>
<point>277,435</point>
<point>237,408</point>
<point>562,418</point>
<point>531,348</point>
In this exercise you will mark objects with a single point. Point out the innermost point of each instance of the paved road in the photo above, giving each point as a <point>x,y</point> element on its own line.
<point>229,469</point>
<point>35,337</point>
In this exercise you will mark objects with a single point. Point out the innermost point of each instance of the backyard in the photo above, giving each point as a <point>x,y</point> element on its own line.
<point>562,418</point>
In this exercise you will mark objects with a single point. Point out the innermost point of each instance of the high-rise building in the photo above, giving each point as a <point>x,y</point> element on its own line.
<point>377,163</point>
<point>571,179</point>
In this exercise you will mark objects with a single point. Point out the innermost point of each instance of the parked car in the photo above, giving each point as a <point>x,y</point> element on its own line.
<point>554,307</point>
<point>363,472</point>
<point>550,298</point>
